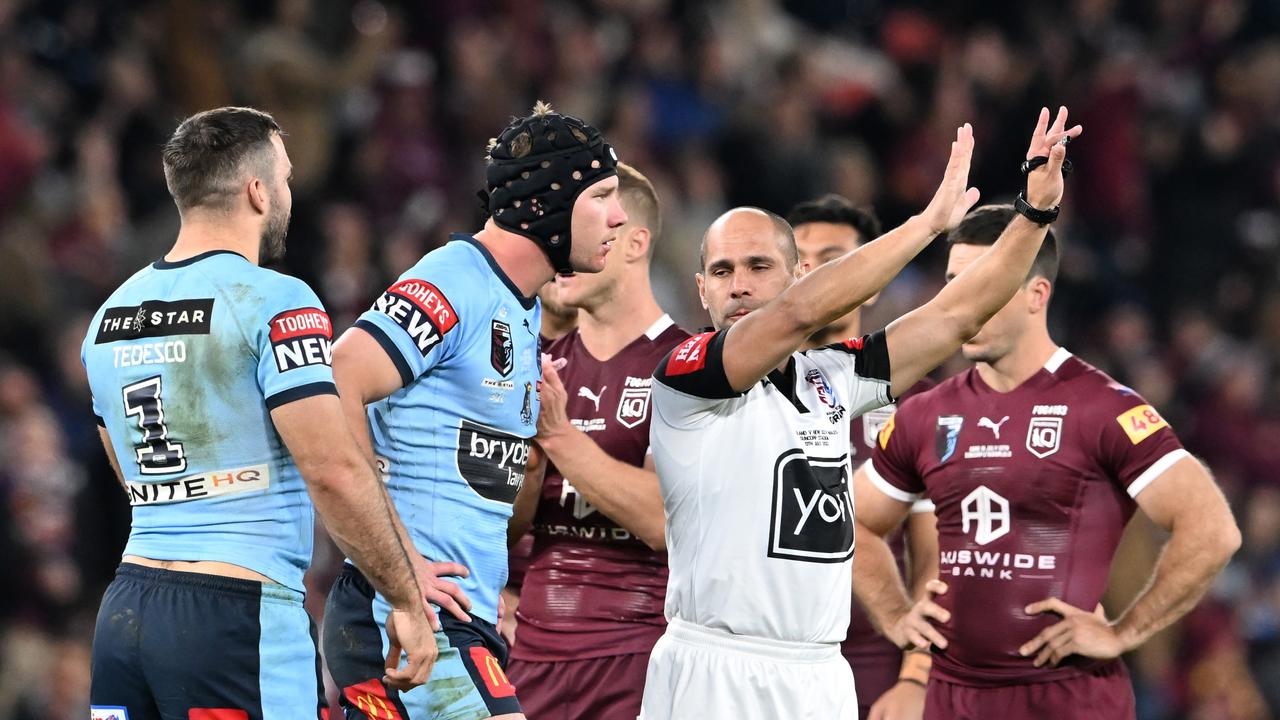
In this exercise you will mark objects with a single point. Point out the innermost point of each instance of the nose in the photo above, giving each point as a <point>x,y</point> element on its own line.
<point>617,216</point>
<point>739,285</point>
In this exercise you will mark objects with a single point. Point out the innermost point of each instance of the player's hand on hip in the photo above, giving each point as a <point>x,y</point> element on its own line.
<point>914,628</point>
<point>954,196</point>
<point>444,593</point>
<point>1044,184</point>
<point>903,701</point>
<point>409,631</point>
<point>553,419</point>
<point>1079,633</point>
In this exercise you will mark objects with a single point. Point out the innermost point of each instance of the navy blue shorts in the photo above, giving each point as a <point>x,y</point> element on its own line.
<point>187,646</point>
<point>467,682</point>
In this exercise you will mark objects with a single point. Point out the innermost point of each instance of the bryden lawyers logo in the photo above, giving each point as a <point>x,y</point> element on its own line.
<point>812,518</point>
<point>987,513</point>
<point>1044,436</point>
<point>491,461</point>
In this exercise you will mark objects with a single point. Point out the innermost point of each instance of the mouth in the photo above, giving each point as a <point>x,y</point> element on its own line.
<point>739,314</point>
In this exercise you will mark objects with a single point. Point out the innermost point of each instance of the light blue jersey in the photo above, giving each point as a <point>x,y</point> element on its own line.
<point>185,361</point>
<point>454,440</point>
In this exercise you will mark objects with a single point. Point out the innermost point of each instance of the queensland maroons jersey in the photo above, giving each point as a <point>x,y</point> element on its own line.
<point>454,440</point>
<point>756,486</point>
<point>591,588</point>
<point>186,360</point>
<point>1032,488</point>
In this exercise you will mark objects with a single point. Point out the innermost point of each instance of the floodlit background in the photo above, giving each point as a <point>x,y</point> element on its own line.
<point>1171,224</point>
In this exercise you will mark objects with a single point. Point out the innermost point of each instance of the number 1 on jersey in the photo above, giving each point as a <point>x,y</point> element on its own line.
<point>156,455</point>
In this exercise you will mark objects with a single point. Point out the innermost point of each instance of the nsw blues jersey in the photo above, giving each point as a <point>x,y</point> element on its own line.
<point>186,360</point>
<point>454,440</point>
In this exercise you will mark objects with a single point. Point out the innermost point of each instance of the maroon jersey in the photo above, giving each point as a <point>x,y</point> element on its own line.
<point>1033,488</point>
<point>591,588</point>
<point>874,659</point>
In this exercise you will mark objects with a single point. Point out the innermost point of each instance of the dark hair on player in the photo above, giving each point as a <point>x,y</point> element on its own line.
<point>641,201</point>
<point>210,153</point>
<point>837,210</point>
<point>786,239</point>
<point>984,225</point>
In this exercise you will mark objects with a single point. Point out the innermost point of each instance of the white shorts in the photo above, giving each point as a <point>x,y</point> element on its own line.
<point>702,673</point>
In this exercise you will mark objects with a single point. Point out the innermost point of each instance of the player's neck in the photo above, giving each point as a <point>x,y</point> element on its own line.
<point>1027,359</point>
<point>612,325</point>
<point>200,234</point>
<point>846,327</point>
<point>519,258</point>
<point>555,327</point>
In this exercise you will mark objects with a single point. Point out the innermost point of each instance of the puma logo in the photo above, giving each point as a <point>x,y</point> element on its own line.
<point>994,426</point>
<point>593,397</point>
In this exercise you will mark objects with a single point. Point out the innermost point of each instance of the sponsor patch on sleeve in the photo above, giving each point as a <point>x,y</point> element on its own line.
<point>421,309</point>
<point>300,338</point>
<point>690,356</point>
<point>887,431</point>
<point>1141,423</point>
<point>108,712</point>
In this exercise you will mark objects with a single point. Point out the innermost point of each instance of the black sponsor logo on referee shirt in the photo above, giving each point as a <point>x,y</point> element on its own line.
<point>812,518</point>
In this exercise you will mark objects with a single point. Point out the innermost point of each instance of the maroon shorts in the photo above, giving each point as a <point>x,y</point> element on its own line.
<point>607,688</point>
<point>1104,694</point>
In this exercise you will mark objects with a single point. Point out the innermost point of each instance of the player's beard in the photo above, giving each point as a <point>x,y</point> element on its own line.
<point>271,244</point>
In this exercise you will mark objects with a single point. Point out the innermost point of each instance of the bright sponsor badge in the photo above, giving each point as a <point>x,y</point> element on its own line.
<point>1141,423</point>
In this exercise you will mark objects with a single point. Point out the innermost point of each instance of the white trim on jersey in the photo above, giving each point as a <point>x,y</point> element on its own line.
<point>923,505</point>
<point>658,327</point>
<point>1055,360</point>
<point>883,485</point>
<point>1156,470</point>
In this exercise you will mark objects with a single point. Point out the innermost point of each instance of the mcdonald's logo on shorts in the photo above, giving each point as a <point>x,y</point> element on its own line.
<point>491,671</point>
<point>370,698</point>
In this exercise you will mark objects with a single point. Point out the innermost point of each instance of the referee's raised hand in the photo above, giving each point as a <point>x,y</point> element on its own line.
<point>1044,184</point>
<point>954,196</point>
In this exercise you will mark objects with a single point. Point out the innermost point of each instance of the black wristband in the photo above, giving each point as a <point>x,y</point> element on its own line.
<point>1035,215</point>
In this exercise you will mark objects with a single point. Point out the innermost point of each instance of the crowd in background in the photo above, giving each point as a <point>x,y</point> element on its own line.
<point>1171,222</point>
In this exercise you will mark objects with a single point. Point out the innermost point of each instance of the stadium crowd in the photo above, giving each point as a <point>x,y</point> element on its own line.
<point>1171,240</point>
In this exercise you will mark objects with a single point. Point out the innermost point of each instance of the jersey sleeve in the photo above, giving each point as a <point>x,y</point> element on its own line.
<point>892,467</point>
<point>690,382</point>
<point>84,361</point>
<point>294,339</point>
<point>415,322</point>
<point>865,364</point>
<point>1135,443</point>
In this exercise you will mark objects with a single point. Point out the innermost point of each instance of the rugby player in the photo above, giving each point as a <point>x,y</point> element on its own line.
<point>887,680</point>
<point>592,595</point>
<point>440,378</point>
<point>1036,460</point>
<point>750,441</point>
<point>210,377</point>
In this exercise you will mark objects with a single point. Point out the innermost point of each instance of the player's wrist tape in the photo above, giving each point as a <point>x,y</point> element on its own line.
<point>1034,214</point>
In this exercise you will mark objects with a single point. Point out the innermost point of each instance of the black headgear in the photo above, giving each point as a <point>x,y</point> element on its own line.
<point>537,168</point>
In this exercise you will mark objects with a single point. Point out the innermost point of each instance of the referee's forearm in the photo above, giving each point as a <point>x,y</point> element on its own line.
<point>877,584</point>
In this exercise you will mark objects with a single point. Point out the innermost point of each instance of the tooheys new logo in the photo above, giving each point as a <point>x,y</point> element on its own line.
<point>491,461</point>
<point>300,338</point>
<point>812,517</point>
<point>421,309</point>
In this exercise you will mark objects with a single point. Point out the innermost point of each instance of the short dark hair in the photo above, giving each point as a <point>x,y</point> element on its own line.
<point>837,210</point>
<point>641,200</point>
<point>208,154</point>
<point>985,224</point>
<point>787,236</point>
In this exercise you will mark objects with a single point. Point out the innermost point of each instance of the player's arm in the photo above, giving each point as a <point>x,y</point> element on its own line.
<point>111,457</point>
<point>364,373</point>
<point>877,583</point>
<point>1185,501</point>
<point>348,496</point>
<point>922,339</point>
<point>525,508</point>
<point>763,339</point>
<point>626,494</point>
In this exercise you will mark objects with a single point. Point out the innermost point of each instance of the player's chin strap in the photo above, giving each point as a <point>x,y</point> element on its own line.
<point>1036,215</point>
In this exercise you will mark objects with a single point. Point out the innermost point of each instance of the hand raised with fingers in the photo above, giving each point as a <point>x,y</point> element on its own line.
<point>1044,184</point>
<point>954,196</point>
<point>1079,633</point>
<point>914,628</point>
